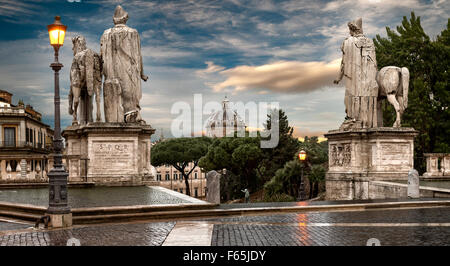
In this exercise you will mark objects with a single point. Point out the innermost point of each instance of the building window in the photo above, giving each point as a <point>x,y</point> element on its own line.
<point>40,139</point>
<point>167,176</point>
<point>158,177</point>
<point>196,192</point>
<point>195,175</point>
<point>9,137</point>
<point>175,176</point>
<point>13,165</point>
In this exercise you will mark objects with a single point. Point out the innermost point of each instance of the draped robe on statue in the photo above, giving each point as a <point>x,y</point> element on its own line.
<point>361,88</point>
<point>122,68</point>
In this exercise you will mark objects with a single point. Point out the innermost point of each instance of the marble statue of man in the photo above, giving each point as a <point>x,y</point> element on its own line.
<point>359,70</point>
<point>122,70</point>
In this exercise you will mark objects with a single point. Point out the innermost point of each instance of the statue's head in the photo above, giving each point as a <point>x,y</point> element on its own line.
<point>120,16</point>
<point>79,44</point>
<point>355,27</point>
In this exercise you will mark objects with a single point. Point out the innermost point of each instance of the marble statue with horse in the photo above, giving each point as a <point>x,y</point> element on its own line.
<point>365,87</point>
<point>363,150</point>
<point>115,151</point>
<point>85,82</point>
<point>120,65</point>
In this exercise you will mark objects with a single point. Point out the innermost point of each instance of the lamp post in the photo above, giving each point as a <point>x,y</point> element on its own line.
<point>302,158</point>
<point>58,209</point>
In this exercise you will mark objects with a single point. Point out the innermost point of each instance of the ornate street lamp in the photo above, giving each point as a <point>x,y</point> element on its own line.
<point>58,208</point>
<point>302,158</point>
<point>302,155</point>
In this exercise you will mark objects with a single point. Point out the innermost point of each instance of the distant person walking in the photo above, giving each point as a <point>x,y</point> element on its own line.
<point>247,195</point>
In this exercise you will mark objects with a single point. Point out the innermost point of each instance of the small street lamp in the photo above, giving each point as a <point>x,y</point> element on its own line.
<point>58,209</point>
<point>302,155</point>
<point>302,158</point>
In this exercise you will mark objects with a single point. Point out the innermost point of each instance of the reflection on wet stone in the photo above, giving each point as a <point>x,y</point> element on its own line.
<point>94,197</point>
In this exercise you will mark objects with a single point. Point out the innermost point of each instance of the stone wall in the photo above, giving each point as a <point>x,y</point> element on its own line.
<point>391,190</point>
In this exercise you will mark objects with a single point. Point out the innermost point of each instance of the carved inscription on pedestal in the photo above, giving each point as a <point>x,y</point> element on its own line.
<point>395,153</point>
<point>112,157</point>
<point>340,154</point>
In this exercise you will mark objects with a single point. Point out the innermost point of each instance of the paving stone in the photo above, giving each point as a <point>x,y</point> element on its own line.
<point>284,229</point>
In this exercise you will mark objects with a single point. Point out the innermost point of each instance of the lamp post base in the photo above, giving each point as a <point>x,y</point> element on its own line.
<point>60,220</point>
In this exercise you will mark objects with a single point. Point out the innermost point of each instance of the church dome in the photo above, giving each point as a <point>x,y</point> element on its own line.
<point>224,120</point>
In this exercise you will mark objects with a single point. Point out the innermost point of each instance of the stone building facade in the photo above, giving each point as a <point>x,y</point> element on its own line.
<point>169,177</point>
<point>25,142</point>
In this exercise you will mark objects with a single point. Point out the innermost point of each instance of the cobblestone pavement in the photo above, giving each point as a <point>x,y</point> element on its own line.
<point>288,235</point>
<point>319,202</point>
<point>136,234</point>
<point>419,215</point>
<point>426,226</point>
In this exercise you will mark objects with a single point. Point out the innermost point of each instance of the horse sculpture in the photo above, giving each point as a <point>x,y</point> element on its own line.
<point>85,80</point>
<point>393,83</point>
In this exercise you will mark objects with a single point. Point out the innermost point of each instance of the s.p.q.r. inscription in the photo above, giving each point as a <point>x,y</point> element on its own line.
<point>112,156</point>
<point>109,147</point>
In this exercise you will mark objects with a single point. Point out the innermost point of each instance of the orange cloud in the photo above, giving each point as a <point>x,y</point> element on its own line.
<point>281,76</point>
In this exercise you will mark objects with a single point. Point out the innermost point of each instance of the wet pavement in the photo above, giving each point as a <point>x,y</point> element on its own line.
<point>420,226</point>
<point>7,226</point>
<point>291,235</point>
<point>94,197</point>
<point>319,202</point>
<point>137,234</point>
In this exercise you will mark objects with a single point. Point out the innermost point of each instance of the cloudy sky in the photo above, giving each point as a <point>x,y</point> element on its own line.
<point>261,51</point>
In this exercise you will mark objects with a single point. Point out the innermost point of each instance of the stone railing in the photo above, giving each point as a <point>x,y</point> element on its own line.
<point>438,164</point>
<point>12,110</point>
<point>25,144</point>
<point>22,173</point>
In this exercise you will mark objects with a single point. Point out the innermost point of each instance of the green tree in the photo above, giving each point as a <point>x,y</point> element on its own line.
<point>240,156</point>
<point>179,152</point>
<point>429,95</point>
<point>287,179</point>
<point>275,158</point>
<point>316,176</point>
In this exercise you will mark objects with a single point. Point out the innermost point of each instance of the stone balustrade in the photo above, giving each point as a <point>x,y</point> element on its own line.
<point>438,165</point>
<point>22,172</point>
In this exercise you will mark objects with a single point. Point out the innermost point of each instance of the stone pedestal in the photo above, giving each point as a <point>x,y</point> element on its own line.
<point>213,187</point>
<point>109,154</point>
<point>359,156</point>
<point>60,220</point>
<point>438,165</point>
<point>413,184</point>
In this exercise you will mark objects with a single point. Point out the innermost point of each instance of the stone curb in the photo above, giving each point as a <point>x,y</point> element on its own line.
<point>146,212</point>
<point>246,211</point>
